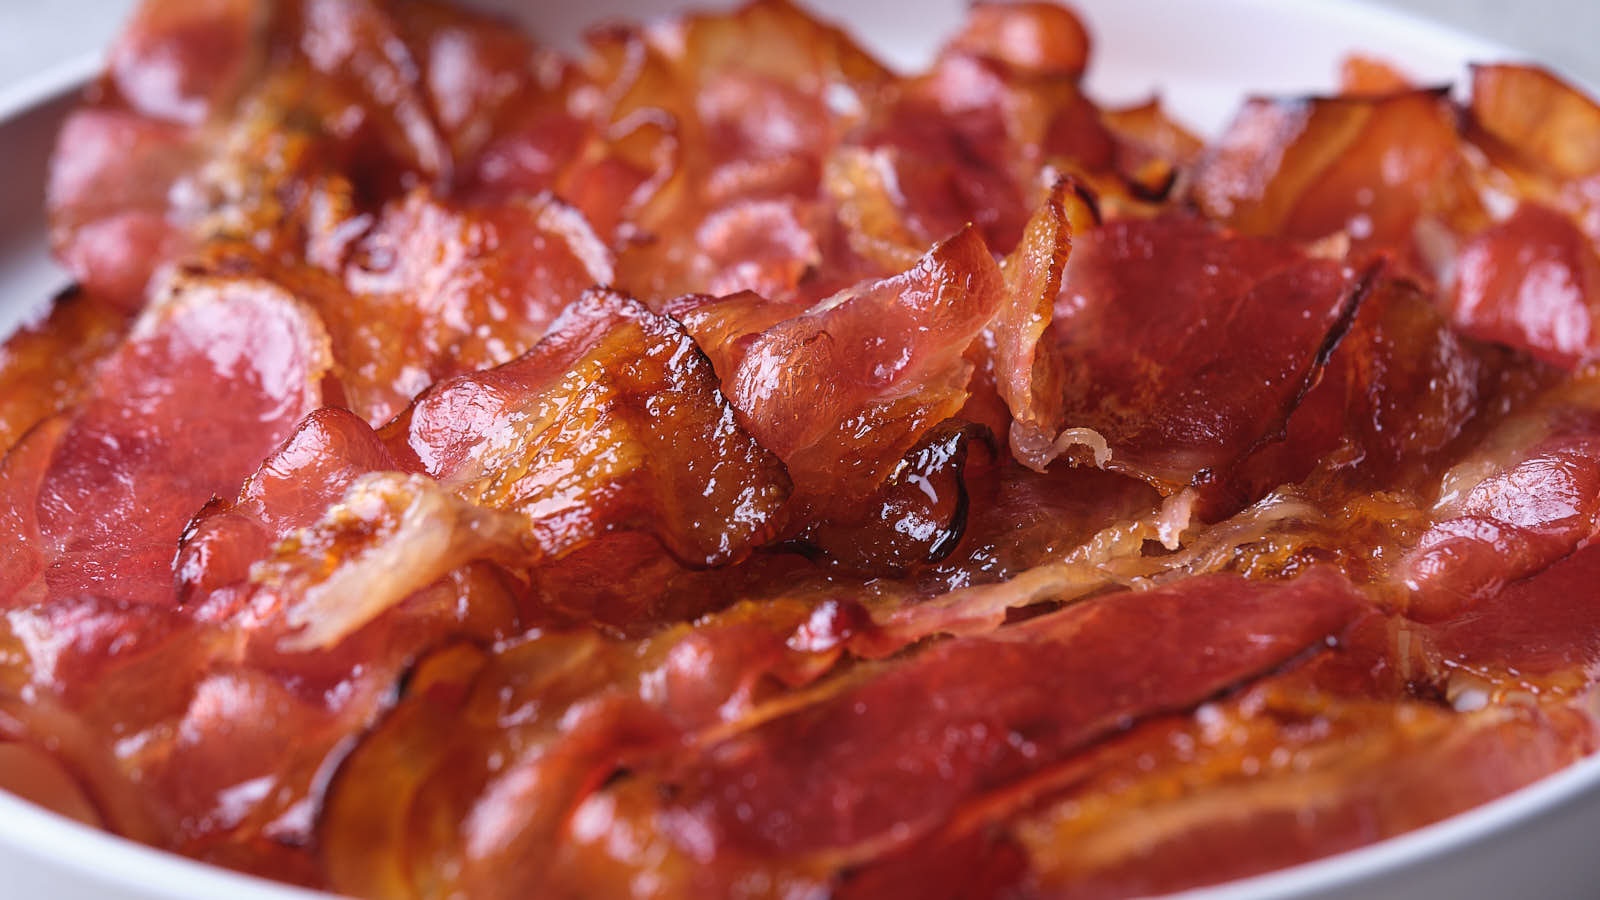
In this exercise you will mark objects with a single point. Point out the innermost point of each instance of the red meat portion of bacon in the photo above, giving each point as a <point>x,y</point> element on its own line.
<point>886,758</point>
<point>329,449</point>
<point>1532,283</point>
<point>1535,505</point>
<point>139,454</point>
<point>46,364</point>
<point>731,199</point>
<point>710,678</point>
<point>474,69</point>
<point>175,728</point>
<point>963,144</point>
<point>594,704</point>
<point>182,61</point>
<point>842,391</point>
<point>1368,166</point>
<point>358,48</point>
<point>1397,392</point>
<point>1033,37</point>
<point>108,200</point>
<point>1540,631</point>
<point>612,421</point>
<point>1186,347</point>
<point>849,392</point>
<point>1214,800</point>
<point>438,289</point>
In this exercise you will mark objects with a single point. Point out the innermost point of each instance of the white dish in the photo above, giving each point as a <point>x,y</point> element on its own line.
<point>1536,842</point>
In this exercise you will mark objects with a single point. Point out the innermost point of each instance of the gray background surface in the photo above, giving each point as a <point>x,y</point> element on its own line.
<point>35,34</point>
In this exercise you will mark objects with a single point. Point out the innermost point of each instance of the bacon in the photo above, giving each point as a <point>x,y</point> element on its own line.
<point>1397,391</point>
<point>1363,75</point>
<point>1151,146</point>
<point>843,391</point>
<point>1509,512</point>
<point>563,422</point>
<point>595,704</point>
<point>810,83</point>
<point>991,723</point>
<point>961,146</point>
<point>1033,37</point>
<point>110,181</point>
<point>311,471</point>
<point>894,354</point>
<point>735,586</point>
<point>1370,167</point>
<point>442,290</point>
<point>474,69</point>
<point>1537,117</point>
<point>801,756</point>
<point>1027,370</point>
<point>45,365</point>
<point>1140,325</point>
<point>139,455</point>
<point>1215,804</point>
<point>357,47</point>
<point>202,697</point>
<point>1537,633</point>
<point>1531,282</point>
<point>613,422</point>
<point>917,516</point>
<point>183,61</point>
<point>742,186</point>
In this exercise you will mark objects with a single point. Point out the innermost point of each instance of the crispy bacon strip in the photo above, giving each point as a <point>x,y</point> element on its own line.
<point>835,804</point>
<point>613,422</point>
<point>1187,347</point>
<point>842,391</point>
<point>1028,370</point>
<point>139,455</point>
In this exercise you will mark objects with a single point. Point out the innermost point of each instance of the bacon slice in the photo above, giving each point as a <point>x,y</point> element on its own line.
<point>1028,372</point>
<point>442,289</point>
<point>1538,633</point>
<point>1216,805</point>
<point>139,454</point>
<point>1397,392</point>
<point>1509,511</point>
<point>1186,347</point>
<point>311,471</point>
<point>1032,37</point>
<point>613,422</point>
<point>802,757</point>
<point>596,704</point>
<point>108,200</point>
<point>1364,75</point>
<point>841,392</point>
<point>184,61</point>
<point>597,405</point>
<point>1371,167</point>
<point>741,591</point>
<point>1531,282</point>
<point>45,365</point>
<point>1533,114</point>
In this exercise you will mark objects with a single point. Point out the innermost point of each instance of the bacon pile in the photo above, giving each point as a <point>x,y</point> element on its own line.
<point>714,464</point>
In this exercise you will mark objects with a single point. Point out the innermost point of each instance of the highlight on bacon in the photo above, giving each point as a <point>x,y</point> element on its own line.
<point>715,464</point>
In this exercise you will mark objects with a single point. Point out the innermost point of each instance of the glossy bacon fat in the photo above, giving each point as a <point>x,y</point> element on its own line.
<point>712,464</point>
